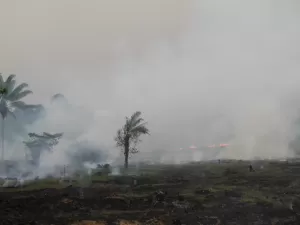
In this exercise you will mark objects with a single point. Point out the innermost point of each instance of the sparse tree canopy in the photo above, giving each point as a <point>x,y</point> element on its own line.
<point>45,140</point>
<point>41,142</point>
<point>129,135</point>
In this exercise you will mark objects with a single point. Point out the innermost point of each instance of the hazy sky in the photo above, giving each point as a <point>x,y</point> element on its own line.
<point>201,71</point>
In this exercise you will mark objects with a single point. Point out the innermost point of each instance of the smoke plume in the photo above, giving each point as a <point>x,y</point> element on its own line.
<point>202,72</point>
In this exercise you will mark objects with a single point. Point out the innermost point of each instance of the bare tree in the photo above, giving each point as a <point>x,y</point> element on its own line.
<point>129,135</point>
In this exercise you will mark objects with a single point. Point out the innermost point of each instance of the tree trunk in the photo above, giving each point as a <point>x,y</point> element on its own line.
<point>3,167</point>
<point>2,143</point>
<point>126,153</point>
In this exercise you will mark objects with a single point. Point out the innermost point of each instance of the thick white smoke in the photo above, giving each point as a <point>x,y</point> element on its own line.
<point>202,72</point>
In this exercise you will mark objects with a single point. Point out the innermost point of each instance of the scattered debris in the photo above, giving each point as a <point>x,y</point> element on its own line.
<point>160,197</point>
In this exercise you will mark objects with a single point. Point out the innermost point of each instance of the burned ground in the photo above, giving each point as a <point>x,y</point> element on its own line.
<point>200,193</point>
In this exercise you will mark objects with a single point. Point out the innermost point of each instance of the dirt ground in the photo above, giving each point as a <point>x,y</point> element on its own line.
<point>198,193</point>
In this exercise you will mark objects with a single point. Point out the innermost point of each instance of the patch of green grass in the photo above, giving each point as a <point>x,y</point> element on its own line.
<point>190,195</point>
<point>154,187</point>
<point>256,197</point>
<point>100,178</point>
<point>223,187</point>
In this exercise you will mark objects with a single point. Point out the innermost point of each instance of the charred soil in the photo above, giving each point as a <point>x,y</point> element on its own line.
<point>199,193</point>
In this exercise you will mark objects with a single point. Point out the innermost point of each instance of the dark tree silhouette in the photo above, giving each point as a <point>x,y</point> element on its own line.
<point>129,135</point>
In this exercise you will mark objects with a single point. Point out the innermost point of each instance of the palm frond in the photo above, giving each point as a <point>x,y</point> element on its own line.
<point>10,86</point>
<point>17,90</point>
<point>23,106</point>
<point>20,95</point>
<point>34,135</point>
<point>136,122</point>
<point>135,116</point>
<point>10,78</point>
<point>141,129</point>
<point>57,135</point>
<point>10,83</point>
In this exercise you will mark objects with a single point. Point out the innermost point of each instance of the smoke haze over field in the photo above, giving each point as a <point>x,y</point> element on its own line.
<point>201,71</point>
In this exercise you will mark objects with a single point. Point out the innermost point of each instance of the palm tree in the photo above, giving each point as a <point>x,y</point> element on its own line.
<point>128,136</point>
<point>10,97</point>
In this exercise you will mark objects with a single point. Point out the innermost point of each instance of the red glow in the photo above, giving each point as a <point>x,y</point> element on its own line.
<point>192,147</point>
<point>224,145</point>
